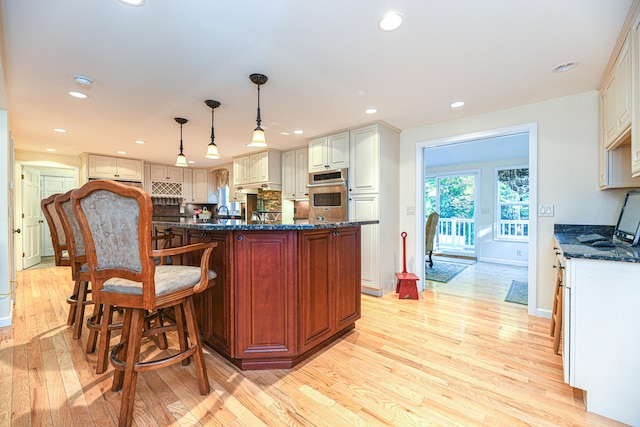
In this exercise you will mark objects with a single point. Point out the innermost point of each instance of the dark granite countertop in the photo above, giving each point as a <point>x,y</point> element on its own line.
<point>243,225</point>
<point>567,237</point>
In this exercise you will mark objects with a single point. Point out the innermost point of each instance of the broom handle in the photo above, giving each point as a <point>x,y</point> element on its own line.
<point>404,251</point>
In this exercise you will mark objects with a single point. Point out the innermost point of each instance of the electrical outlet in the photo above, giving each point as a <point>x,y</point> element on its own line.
<point>411,210</point>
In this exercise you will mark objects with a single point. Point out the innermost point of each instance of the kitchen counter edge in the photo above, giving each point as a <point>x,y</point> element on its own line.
<point>566,237</point>
<point>241,225</point>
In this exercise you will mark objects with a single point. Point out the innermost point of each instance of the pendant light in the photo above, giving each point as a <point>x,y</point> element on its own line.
<point>258,139</point>
<point>212,148</point>
<point>181,160</point>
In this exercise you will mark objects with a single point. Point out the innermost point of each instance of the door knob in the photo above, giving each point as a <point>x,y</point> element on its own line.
<point>17,231</point>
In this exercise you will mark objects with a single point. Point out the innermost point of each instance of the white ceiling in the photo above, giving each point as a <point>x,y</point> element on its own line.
<point>514,146</point>
<point>326,62</point>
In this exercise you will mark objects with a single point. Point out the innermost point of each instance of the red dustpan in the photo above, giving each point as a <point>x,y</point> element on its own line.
<point>407,284</point>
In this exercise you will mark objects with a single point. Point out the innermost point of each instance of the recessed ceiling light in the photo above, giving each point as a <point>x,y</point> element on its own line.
<point>122,152</point>
<point>457,104</point>
<point>51,149</point>
<point>138,141</point>
<point>59,130</point>
<point>76,94</point>
<point>371,110</point>
<point>390,21</point>
<point>191,162</point>
<point>133,2</point>
<point>285,133</point>
<point>298,132</point>
<point>565,66</point>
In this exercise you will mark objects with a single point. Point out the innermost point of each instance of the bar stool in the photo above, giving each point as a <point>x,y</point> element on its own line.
<point>556,314</point>
<point>115,221</point>
<point>79,269</point>
<point>60,254</point>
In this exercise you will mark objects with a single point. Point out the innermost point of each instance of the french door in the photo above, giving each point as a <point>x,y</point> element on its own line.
<point>454,197</point>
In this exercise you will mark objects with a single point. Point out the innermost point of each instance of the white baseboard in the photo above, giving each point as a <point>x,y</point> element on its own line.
<point>7,321</point>
<point>543,312</point>
<point>504,261</point>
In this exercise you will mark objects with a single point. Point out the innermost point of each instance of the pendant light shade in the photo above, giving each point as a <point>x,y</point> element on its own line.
<point>181,160</point>
<point>258,139</point>
<point>212,148</point>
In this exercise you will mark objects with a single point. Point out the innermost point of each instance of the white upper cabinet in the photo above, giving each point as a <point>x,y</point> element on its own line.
<point>200,185</point>
<point>116,168</point>
<point>166,173</point>
<point>635,92</point>
<point>364,173</point>
<point>617,99</point>
<point>294,174</point>
<point>329,152</point>
<point>258,169</point>
<point>196,186</point>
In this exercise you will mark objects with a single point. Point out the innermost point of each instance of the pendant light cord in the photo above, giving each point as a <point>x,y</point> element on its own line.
<point>258,120</point>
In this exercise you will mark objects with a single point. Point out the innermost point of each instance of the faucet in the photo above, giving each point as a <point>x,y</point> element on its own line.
<point>222,209</point>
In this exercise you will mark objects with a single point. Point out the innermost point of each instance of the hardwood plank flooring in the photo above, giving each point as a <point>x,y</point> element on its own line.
<point>459,356</point>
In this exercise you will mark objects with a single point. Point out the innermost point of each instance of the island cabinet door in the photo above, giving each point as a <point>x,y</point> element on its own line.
<point>316,298</point>
<point>264,294</point>
<point>215,305</point>
<point>329,283</point>
<point>347,273</point>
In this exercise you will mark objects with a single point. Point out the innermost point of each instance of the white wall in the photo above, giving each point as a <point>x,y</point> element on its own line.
<point>5,232</point>
<point>567,171</point>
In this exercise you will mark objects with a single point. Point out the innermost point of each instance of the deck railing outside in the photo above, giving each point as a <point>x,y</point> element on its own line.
<point>459,233</point>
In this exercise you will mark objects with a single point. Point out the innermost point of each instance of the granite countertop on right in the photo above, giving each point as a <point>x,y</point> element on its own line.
<point>567,237</point>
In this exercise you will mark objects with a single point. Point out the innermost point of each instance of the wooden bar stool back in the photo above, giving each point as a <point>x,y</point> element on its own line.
<point>79,269</point>
<point>58,238</point>
<point>115,220</point>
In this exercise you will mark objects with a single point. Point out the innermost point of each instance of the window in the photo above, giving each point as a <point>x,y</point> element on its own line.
<point>513,203</point>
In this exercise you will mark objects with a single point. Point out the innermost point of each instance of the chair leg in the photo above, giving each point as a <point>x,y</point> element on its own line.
<point>93,332</point>
<point>182,337</point>
<point>162,338</point>
<point>105,339</point>
<point>80,303</point>
<point>73,303</point>
<point>134,336</point>
<point>124,338</point>
<point>194,336</point>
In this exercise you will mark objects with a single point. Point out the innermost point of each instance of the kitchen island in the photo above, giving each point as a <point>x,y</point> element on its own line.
<point>283,291</point>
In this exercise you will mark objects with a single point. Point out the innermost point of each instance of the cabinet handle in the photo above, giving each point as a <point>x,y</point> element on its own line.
<point>239,238</point>
<point>336,233</point>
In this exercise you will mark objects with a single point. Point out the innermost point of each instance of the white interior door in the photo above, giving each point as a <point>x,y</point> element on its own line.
<point>31,218</point>
<point>52,185</point>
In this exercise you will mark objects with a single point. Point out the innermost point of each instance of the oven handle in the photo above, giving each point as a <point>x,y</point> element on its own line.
<point>327,184</point>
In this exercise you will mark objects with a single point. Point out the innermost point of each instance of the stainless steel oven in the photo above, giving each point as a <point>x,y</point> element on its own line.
<point>328,196</point>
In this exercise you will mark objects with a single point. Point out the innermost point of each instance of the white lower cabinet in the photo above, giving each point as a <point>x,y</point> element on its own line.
<point>365,207</point>
<point>601,346</point>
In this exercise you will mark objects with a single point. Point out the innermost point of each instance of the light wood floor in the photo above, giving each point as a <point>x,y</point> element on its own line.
<point>442,360</point>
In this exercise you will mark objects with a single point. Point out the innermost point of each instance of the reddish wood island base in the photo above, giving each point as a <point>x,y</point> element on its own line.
<point>281,295</point>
